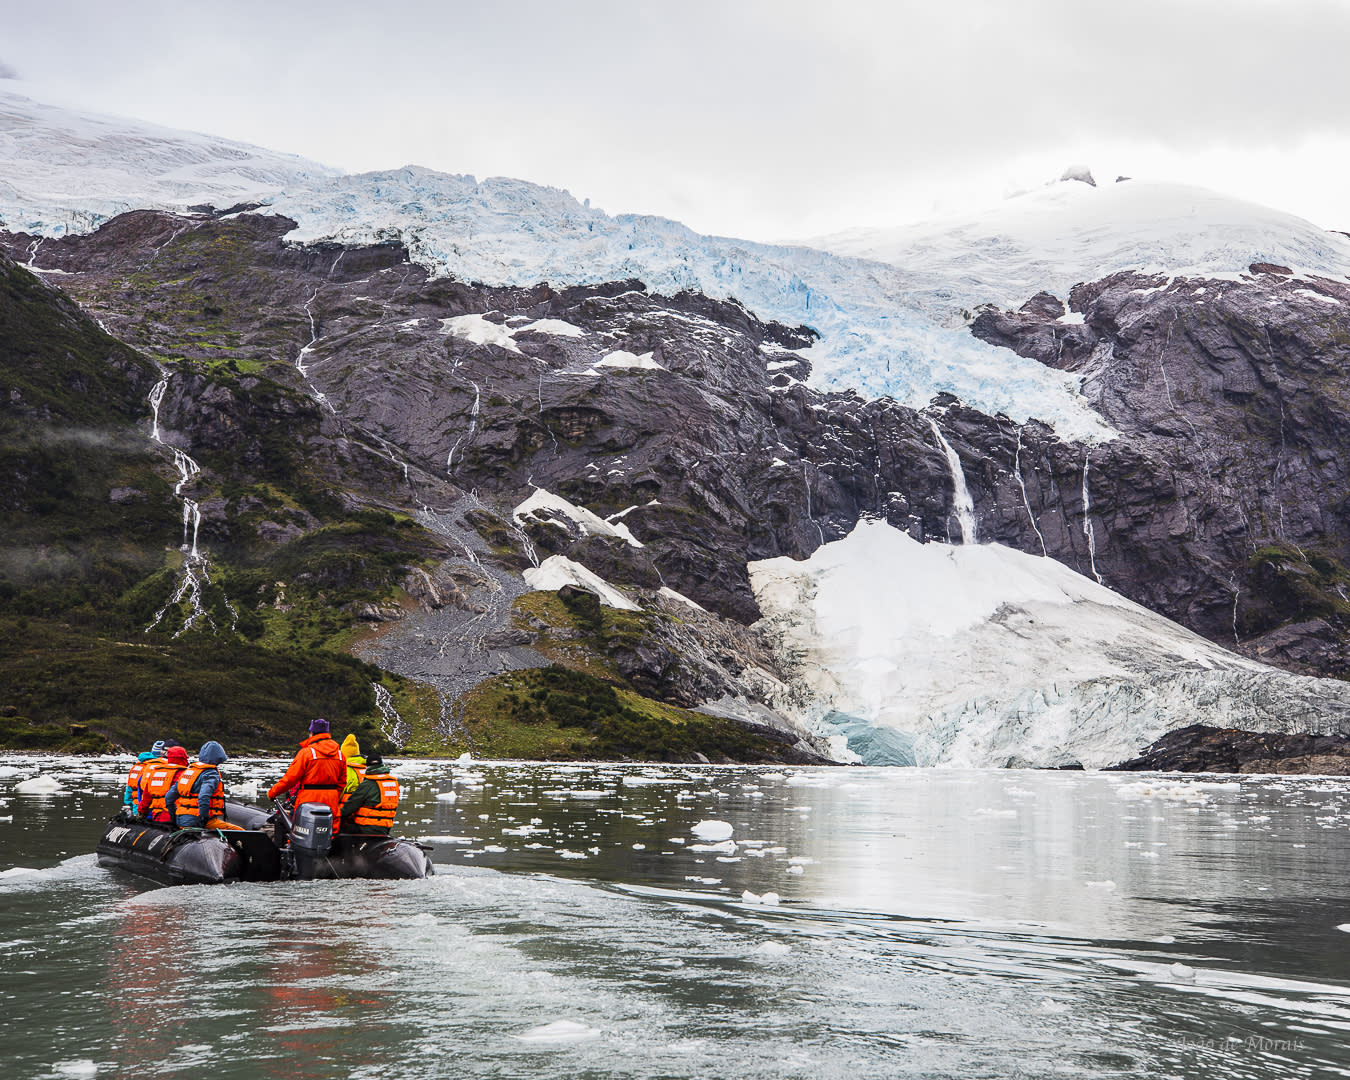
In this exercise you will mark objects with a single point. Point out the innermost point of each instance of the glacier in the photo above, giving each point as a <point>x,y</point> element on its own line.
<point>984,656</point>
<point>892,308</point>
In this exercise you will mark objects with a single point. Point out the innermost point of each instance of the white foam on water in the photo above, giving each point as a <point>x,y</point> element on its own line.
<point>559,1031</point>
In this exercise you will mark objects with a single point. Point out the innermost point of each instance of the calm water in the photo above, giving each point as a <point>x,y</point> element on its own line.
<point>928,924</point>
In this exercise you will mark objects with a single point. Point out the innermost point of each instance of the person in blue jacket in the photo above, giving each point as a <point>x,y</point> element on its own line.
<point>199,798</point>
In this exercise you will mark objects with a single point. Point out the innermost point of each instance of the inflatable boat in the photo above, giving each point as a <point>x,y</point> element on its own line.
<point>258,851</point>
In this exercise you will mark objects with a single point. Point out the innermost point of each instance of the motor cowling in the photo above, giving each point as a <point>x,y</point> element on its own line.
<point>312,831</point>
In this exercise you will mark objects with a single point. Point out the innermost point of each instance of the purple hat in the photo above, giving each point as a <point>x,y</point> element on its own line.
<point>318,726</point>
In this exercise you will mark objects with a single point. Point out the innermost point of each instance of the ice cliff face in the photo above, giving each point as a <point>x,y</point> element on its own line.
<point>980,655</point>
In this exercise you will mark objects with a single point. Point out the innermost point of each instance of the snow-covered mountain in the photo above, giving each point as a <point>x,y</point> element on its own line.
<point>65,170</point>
<point>1068,232</point>
<point>980,655</point>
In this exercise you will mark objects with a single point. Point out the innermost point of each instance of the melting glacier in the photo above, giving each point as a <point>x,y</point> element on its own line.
<point>980,655</point>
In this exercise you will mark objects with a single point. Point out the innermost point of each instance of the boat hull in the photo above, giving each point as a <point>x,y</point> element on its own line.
<point>218,857</point>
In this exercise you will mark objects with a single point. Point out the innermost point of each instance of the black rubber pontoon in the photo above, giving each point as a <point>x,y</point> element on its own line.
<point>215,857</point>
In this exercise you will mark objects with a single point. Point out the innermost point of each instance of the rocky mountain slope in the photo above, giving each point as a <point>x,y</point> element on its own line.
<point>390,456</point>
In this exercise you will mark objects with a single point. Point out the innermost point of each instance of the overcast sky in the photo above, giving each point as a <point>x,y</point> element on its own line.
<point>768,119</point>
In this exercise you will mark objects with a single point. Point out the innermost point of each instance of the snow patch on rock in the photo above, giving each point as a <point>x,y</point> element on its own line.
<point>558,570</point>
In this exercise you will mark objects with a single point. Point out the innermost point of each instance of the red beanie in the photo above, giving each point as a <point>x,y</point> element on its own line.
<point>176,756</point>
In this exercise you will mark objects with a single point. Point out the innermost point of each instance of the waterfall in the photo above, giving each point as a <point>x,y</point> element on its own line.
<point>468,435</point>
<point>156,396</point>
<point>806,482</point>
<point>1087,522</point>
<point>1017,465</point>
<point>192,517</point>
<point>187,469</point>
<point>196,570</point>
<point>394,729</point>
<point>963,504</point>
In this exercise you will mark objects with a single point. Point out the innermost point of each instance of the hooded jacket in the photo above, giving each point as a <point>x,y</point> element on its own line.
<point>356,764</point>
<point>205,780</point>
<point>317,774</point>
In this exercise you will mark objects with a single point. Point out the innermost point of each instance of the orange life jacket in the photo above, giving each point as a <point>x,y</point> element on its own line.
<point>188,783</point>
<point>155,785</point>
<point>138,774</point>
<point>383,815</point>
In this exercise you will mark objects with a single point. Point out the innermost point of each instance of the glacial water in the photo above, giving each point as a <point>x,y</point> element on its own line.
<point>590,921</point>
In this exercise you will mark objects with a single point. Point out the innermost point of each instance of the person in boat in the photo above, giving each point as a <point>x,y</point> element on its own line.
<point>157,786</point>
<point>131,791</point>
<point>371,808</point>
<point>200,791</point>
<point>356,765</point>
<point>318,773</point>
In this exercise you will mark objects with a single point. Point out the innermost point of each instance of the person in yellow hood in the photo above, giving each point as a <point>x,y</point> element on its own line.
<point>356,765</point>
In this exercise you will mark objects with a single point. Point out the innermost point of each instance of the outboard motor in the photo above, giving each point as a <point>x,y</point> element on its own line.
<point>312,830</point>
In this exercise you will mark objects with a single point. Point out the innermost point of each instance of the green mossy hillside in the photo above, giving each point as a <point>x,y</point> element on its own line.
<point>126,693</point>
<point>558,714</point>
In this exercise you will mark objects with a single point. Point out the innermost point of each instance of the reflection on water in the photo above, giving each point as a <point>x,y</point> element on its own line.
<point>857,923</point>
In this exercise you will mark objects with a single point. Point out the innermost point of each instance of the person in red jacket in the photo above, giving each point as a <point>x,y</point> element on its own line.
<point>317,774</point>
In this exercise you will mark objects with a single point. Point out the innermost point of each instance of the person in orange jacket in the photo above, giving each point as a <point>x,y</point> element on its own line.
<point>158,792</point>
<point>317,774</point>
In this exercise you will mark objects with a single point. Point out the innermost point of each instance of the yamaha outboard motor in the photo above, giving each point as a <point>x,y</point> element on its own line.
<point>311,836</point>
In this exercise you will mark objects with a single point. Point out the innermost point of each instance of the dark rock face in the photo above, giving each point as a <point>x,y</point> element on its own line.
<point>1227,750</point>
<point>1223,503</point>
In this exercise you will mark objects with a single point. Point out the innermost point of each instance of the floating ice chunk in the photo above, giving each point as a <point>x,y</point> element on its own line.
<point>795,870</point>
<point>801,860</point>
<point>639,847</point>
<point>712,829</point>
<point>559,1031</point>
<point>1107,885</point>
<point>564,853</point>
<point>1182,973</point>
<point>1051,1006</point>
<point>83,1067</point>
<point>726,847</point>
<point>589,793</point>
<point>770,898</point>
<point>39,785</point>
<point>448,839</point>
<point>773,949</point>
<point>1165,939</point>
<point>464,758</point>
<point>1344,928</point>
<point>446,796</point>
<point>28,871</point>
<point>248,789</point>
